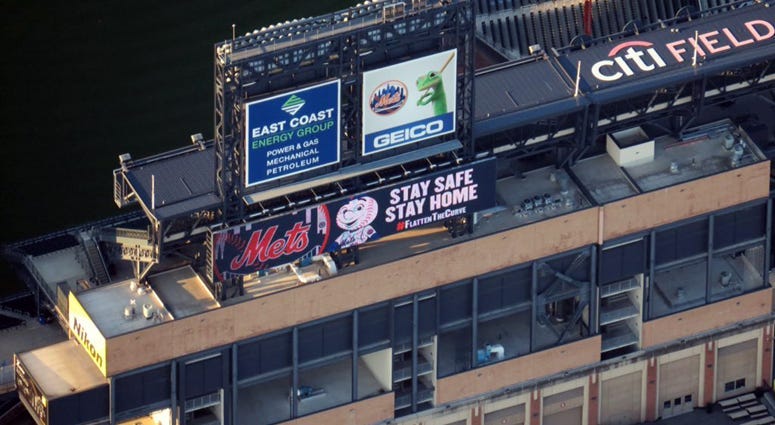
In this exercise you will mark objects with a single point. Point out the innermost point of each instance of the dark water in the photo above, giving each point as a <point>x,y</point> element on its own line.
<point>83,82</point>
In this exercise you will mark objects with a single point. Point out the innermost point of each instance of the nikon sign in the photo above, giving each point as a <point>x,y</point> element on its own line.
<point>86,333</point>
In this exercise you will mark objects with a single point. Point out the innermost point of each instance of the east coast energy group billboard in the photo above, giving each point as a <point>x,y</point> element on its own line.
<point>409,102</point>
<point>354,220</point>
<point>292,133</point>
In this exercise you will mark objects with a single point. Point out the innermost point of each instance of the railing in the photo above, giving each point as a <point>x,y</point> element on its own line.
<point>111,221</point>
<point>132,233</point>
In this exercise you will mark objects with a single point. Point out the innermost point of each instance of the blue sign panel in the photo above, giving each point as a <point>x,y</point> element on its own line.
<point>292,133</point>
<point>355,220</point>
<point>409,102</point>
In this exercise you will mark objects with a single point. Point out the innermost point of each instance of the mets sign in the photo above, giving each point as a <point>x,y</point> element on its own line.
<point>353,220</point>
<point>409,102</point>
<point>292,133</point>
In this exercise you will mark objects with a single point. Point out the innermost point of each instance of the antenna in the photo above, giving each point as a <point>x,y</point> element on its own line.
<point>233,31</point>
<point>578,79</point>
<point>153,192</point>
<point>449,59</point>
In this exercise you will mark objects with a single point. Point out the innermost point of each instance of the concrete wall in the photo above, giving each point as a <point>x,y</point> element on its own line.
<point>706,318</point>
<point>364,412</point>
<point>380,364</point>
<point>685,200</point>
<point>510,372</point>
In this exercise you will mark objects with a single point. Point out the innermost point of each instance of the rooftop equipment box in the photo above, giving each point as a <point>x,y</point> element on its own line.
<point>630,147</point>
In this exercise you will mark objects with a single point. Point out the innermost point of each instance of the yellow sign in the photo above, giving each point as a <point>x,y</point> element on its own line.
<point>85,331</point>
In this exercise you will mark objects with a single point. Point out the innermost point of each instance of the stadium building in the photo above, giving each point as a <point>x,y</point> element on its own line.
<point>436,212</point>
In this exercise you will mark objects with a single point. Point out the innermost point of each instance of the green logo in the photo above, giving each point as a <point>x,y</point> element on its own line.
<point>293,104</point>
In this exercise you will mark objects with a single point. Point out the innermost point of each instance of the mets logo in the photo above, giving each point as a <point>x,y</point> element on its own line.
<point>388,97</point>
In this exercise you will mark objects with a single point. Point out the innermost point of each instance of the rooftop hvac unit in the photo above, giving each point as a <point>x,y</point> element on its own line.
<point>147,311</point>
<point>129,312</point>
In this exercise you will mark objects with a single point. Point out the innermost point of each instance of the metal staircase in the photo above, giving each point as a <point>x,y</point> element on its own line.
<point>95,259</point>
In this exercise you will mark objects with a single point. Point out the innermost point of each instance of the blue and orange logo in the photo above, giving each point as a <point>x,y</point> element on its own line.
<point>388,97</point>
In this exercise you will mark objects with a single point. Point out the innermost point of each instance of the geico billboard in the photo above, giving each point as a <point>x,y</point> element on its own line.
<point>684,48</point>
<point>291,133</point>
<point>354,220</point>
<point>409,102</point>
<point>85,331</point>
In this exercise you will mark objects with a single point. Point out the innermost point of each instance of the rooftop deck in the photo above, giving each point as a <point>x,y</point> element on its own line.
<point>62,369</point>
<point>171,295</point>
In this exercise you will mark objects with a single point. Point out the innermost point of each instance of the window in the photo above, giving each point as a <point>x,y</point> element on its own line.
<point>504,291</point>
<point>729,386</point>
<point>737,271</point>
<point>739,226</point>
<point>203,376</point>
<point>455,304</point>
<point>402,324</point>
<point>142,388</point>
<point>740,383</point>
<point>682,242</point>
<point>325,339</point>
<point>426,320</point>
<point>679,287</point>
<point>666,405</point>
<point>454,353</point>
<point>325,386</point>
<point>263,356</point>
<point>677,402</point>
<point>688,398</point>
<point>373,326</point>
<point>622,262</point>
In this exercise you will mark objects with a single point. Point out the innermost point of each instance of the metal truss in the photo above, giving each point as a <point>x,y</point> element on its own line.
<point>682,102</point>
<point>564,288</point>
<point>339,45</point>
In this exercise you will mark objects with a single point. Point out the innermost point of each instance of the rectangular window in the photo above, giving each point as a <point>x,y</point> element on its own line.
<point>454,353</point>
<point>455,304</point>
<point>729,386</point>
<point>322,387</point>
<point>740,383</point>
<point>504,291</point>
<point>622,262</point>
<point>325,339</point>
<point>142,388</point>
<point>373,326</point>
<point>736,272</point>
<point>739,226</point>
<point>688,398</point>
<point>402,325</point>
<point>666,405</point>
<point>203,376</point>
<point>682,242</point>
<point>679,287</point>
<point>426,320</point>
<point>677,402</point>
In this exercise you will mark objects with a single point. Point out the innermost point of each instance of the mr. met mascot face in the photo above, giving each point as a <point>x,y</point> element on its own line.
<point>355,218</point>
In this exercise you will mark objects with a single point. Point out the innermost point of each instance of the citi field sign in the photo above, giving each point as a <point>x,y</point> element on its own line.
<point>409,102</point>
<point>664,50</point>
